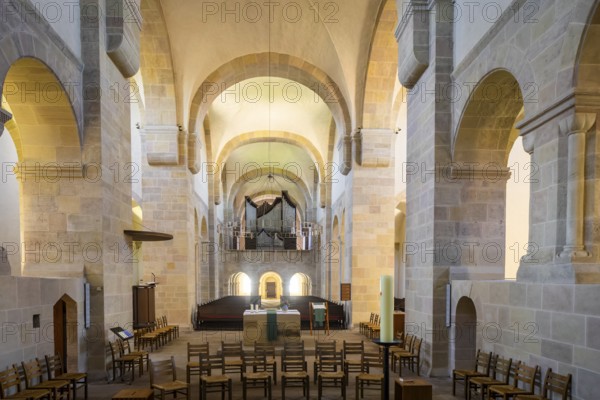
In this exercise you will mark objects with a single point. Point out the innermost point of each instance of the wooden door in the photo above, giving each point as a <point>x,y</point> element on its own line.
<point>271,290</point>
<point>60,329</point>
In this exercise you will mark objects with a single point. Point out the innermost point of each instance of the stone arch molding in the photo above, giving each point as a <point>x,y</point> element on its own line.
<point>58,59</point>
<point>463,91</point>
<point>269,64</point>
<point>272,136</point>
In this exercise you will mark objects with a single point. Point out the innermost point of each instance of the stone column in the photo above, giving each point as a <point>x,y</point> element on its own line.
<point>575,126</point>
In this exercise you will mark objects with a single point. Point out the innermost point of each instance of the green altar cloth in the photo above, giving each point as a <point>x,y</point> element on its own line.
<point>271,325</point>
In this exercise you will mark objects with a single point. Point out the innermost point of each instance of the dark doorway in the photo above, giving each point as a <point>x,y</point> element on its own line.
<point>65,331</point>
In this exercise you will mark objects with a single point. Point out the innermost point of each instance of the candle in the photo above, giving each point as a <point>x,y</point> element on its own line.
<point>386,312</point>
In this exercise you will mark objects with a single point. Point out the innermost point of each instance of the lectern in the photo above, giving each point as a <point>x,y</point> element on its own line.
<point>143,306</point>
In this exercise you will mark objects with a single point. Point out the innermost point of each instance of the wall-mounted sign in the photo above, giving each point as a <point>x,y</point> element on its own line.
<point>345,291</point>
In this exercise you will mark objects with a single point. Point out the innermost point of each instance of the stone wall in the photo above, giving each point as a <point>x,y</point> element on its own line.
<point>552,325</point>
<point>23,297</point>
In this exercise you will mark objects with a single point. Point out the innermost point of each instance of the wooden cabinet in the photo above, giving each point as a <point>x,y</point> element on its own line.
<point>143,306</point>
<point>412,389</point>
<point>398,322</point>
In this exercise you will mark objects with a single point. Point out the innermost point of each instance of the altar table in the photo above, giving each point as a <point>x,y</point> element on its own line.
<point>256,329</point>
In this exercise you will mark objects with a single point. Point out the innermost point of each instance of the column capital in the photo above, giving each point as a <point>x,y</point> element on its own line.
<point>577,122</point>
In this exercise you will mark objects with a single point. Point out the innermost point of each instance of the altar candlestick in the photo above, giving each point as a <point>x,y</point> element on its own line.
<point>386,312</point>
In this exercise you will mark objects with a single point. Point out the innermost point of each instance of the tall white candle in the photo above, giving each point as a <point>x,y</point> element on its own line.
<point>386,312</point>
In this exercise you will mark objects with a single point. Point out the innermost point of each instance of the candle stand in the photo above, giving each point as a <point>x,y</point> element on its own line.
<point>386,365</point>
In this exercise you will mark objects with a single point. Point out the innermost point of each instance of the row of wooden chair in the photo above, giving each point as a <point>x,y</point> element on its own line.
<point>124,359</point>
<point>156,335</point>
<point>331,367</point>
<point>491,377</point>
<point>46,379</point>
<point>371,328</point>
<point>408,353</point>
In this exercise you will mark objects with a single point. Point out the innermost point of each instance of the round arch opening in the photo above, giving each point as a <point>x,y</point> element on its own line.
<point>270,286</point>
<point>300,285</point>
<point>465,333</point>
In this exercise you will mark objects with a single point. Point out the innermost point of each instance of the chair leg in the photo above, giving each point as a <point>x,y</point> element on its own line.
<point>307,388</point>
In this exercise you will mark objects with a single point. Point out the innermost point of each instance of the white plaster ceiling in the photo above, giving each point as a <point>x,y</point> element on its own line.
<point>270,104</point>
<point>293,160</point>
<point>334,36</point>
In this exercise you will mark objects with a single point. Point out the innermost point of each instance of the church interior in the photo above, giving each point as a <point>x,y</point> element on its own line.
<point>414,178</point>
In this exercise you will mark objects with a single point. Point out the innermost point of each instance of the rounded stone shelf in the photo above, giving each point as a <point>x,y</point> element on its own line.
<point>148,236</point>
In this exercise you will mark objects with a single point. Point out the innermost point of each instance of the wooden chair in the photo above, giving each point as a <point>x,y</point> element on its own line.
<point>524,383</point>
<point>362,325</point>
<point>500,371</point>
<point>57,371</point>
<point>173,328</point>
<point>294,371</point>
<point>332,373</point>
<point>412,358</point>
<point>150,337</point>
<point>123,363</point>
<point>353,352</point>
<point>482,368</point>
<point>214,383</point>
<point>553,383</point>
<point>372,327</point>
<point>322,346</point>
<point>169,384</point>
<point>125,350</point>
<point>367,380</point>
<point>10,387</point>
<point>34,379</point>
<point>269,351</point>
<point>396,351</point>
<point>232,356</point>
<point>194,352</point>
<point>259,378</point>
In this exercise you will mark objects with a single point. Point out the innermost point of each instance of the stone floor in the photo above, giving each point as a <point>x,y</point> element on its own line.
<point>442,387</point>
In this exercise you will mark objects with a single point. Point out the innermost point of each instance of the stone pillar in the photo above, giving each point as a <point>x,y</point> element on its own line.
<point>575,126</point>
<point>370,213</point>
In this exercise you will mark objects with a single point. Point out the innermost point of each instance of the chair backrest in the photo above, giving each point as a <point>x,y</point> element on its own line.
<point>293,360</point>
<point>483,361</point>
<point>163,369</point>
<point>257,360</point>
<point>125,346</point>
<point>376,320</point>
<point>353,348</point>
<point>371,360</point>
<point>416,347</point>
<point>9,378</point>
<point>408,342</point>
<point>113,353</point>
<point>324,346</point>
<point>266,348</point>
<point>54,366</point>
<point>558,384</point>
<point>209,362</point>
<point>501,368</point>
<point>195,349</point>
<point>33,372</point>
<point>525,375</point>
<point>232,349</point>
<point>329,360</point>
<point>295,345</point>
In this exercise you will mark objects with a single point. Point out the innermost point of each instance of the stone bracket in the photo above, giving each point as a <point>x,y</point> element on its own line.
<point>194,146</point>
<point>123,27</point>
<point>346,150</point>
<point>374,147</point>
<point>412,35</point>
<point>161,144</point>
